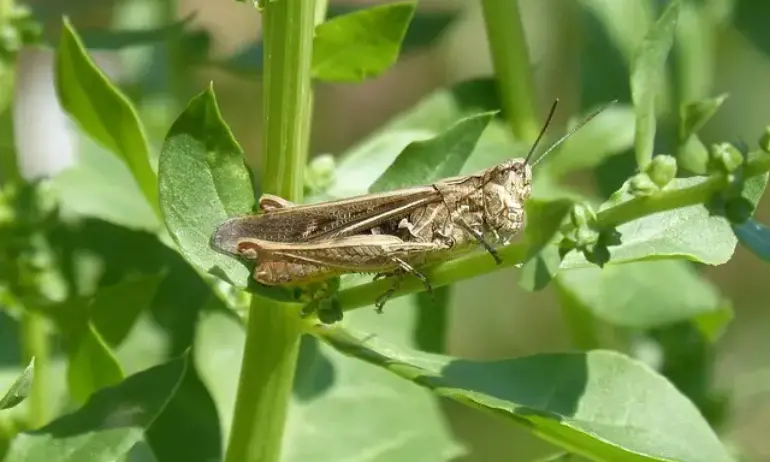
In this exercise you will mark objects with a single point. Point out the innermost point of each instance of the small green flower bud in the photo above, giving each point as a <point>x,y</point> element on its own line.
<point>587,237</point>
<point>662,170</point>
<point>764,140</point>
<point>582,215</point>
<point>724,158</point>
<point>642,186</point>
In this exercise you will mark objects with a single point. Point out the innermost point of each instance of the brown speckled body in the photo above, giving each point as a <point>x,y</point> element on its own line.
<point>378,233</point>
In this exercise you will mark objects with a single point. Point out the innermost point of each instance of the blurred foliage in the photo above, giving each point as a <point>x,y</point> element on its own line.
<point>144,320</point>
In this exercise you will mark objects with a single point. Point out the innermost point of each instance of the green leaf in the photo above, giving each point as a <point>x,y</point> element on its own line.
<point>203,181</point>
<point>641,295</point>
<point>692,154</point>
<point>755,237</point>
<point>361,165</point>
<point>362,44</point>
<point>610,133</point>
<point>422,162</point>
<point>115,309</point>
<point>648,77</point>
<point>600,404</point>
<point>373,409</point>
<point>544,218</point>
<point>102,110</point>
<point>688,232</point>
<point>19,389</point>
<point>108,425</point>
<point>693,116</point>
<point>92,366</point>
<point>101,186</point>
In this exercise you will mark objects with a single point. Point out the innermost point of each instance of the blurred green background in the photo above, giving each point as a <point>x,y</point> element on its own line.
<point>575,56</point>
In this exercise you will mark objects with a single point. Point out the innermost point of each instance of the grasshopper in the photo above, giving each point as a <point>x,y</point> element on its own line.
<point>385,233</point>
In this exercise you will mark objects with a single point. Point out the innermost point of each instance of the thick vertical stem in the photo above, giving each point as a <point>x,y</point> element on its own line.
<point>288,39</point>
<point>510,57</point>
<point>274,329</point>
<point>35,343</point>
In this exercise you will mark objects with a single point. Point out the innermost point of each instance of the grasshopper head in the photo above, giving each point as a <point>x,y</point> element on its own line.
<point>509,185</point>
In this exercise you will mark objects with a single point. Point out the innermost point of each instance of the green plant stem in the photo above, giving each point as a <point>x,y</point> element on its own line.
<point>510,58</point>
<point>264,387</point>
<point>476,264</point>
<point>288,48</point>
<point>274,329</point>
<point>35,343</point>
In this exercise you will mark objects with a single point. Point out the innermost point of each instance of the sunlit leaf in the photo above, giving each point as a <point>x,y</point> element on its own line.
<point>203,181</point>
<point>20,388</point>
<point>600,404</point>
<point>102,110</point>
<point>642,294</point>
<point>381,412</point>
<point>362,44</point>
<point>422,162</point>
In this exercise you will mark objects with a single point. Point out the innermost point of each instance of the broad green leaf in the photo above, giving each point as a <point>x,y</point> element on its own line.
<point>101,186</point>
<point>108,425</point>
<point>102,110</point>
<point>426,161</point>
<point>648,77</point>
<point>362,44</point>
<point>689,232</point>
<point>543,221</point>
<point>755,237</point>
<point>610,133</point>
<point>643,294</point>
<point>92,366</point>
<point>19,389</point>
<point>361,165</point>
<point>600,404</point>
<point>115,309</point>
<point>544,218</point>
<point>380,416</point>
<point>188,427</point>
<point>203,181</point>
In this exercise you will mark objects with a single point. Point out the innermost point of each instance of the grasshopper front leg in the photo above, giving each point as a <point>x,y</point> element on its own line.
<point>460,221</point>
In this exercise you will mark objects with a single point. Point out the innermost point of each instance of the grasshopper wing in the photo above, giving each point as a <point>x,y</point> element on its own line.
<point>323,220</point>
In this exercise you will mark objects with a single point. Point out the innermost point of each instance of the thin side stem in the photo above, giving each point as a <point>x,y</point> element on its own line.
<point>510,58</point>
<point>274,329</point>
<point>36,343</point>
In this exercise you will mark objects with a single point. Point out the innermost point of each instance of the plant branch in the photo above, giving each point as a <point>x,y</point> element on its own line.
<point>476,264</point>
<point>274,329</point>
<point>35,344</point>
<point>510,58</point>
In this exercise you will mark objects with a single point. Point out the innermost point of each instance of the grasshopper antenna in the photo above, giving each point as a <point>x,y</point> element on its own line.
<point>572,132</point>
<point>542,131</point>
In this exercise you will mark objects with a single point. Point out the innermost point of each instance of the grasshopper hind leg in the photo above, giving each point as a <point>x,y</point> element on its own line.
<point>403,268</point>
